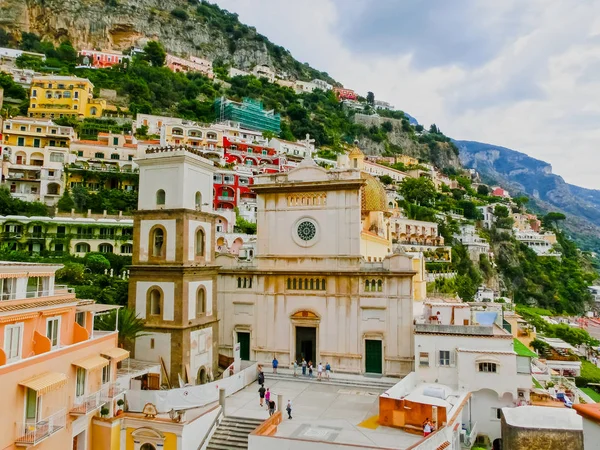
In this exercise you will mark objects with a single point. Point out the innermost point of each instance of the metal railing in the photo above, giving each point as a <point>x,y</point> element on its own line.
<point>110,391</point>
<point>36,293</point>
<point>88,403</point>
<point>31,433</point>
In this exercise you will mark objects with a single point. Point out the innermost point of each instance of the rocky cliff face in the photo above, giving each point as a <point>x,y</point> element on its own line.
<point>443,157</point>
<point>521,174</point>
<point>205,32</point>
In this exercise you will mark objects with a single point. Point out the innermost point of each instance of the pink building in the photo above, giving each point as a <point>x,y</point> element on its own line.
<point>499,192</point>
<point>57,372</point>
<point>101,59</point>
<point>344,94</point>
<point>194,64</point>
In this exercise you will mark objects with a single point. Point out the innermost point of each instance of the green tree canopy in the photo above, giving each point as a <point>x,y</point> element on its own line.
<point>418,190</point>
<point>155,53</point>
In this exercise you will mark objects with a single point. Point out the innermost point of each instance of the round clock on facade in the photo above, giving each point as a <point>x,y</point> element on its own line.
<point>306,230</point>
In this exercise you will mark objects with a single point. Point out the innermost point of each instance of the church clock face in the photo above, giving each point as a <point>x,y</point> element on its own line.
<point>307,230</point>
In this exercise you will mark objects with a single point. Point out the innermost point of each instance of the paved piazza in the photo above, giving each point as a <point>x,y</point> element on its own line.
<point>322,412</point>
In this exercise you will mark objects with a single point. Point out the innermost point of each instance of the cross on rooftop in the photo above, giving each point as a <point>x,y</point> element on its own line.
<point>307,143</point>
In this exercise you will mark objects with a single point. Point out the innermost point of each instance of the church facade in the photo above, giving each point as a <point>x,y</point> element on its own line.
<point>324,284</point>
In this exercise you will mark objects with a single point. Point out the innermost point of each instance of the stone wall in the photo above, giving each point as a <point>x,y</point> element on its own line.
<point>516,438</point>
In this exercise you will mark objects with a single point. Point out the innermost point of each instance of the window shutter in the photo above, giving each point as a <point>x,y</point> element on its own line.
<point>437,358</point>
<point>15,341</point>
<point>452,358</point>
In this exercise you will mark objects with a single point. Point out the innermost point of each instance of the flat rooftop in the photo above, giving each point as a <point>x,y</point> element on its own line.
<point>324,412</point>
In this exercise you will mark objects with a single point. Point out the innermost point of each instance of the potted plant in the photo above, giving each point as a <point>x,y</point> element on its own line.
<point>120,404</point>
<point>104,411</point>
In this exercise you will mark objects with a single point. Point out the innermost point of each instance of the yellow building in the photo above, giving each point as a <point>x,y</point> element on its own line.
<point>62,96</point>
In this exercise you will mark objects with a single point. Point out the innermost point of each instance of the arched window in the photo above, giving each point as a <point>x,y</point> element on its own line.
<point>82,247</point>
<point>488,367</point>
<point>379,285</point>
<point>160,197</point>
<point>294,284</point>
<point>147,447</point>
<point>127,249</point>
<point>198,200</point>
<point>300,284</point>
<point>239,282</point>
<point>323,284</point>
<point>158,241</point>
<point>367,286</point>
<point>200,301</point>
<point>105,248</point>
<point>93,111</point>
<point>250,283</point>
<point>245,282</point>
<point>200,242</point>
<point>312,283</point>
<point>155,302</point>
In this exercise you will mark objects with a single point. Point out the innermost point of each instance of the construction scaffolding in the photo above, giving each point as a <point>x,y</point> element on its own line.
<point>249,114</point>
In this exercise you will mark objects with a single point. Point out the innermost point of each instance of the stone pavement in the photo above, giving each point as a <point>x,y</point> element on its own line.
<point>322,412</point>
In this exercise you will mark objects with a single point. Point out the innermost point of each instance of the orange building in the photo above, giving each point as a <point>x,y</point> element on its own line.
<point>57,372</point>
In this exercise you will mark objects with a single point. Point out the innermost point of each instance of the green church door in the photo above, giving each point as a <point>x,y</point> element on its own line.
<point>373,356</point>
<point>244,340</point>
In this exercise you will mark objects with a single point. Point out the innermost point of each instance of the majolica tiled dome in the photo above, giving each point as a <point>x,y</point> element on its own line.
<point>372,194</point>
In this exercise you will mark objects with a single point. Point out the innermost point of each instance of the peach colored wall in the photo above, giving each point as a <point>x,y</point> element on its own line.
<point>55,361</point>
<point>38,323</point>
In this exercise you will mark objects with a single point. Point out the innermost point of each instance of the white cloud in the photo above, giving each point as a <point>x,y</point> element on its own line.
<point>532,86</point>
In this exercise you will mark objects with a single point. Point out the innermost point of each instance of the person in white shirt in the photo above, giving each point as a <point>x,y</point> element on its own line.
<point>319,371</point>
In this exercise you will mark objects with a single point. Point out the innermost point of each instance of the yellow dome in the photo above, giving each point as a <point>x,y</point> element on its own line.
<point>355,152</point>
<point>372,194</point>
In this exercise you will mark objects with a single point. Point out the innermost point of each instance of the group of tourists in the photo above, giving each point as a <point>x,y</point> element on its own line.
<point>308,367</point>
<point>265,393</point>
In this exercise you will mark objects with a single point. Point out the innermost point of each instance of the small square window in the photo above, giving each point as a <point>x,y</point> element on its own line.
<point>424,359</point>
<point>444,358</point>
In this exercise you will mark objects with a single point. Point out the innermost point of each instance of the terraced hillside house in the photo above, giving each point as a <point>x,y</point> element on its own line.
<point>57,371</point>
<point>34,153</point>
<point>105,163</point>
<point>57,96</point>
<point>61,235</point>
<point>173,279</point>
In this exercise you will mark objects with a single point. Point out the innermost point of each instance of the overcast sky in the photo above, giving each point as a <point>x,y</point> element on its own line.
<point>518,74</point>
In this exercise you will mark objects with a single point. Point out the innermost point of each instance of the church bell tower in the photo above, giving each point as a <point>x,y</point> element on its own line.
<point>172,284</point>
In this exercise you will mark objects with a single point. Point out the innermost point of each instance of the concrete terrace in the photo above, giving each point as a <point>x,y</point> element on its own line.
<point>323,412</point>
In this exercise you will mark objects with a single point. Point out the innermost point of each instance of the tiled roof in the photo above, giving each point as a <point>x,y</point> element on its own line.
<point>443,446</point>
<point>86,141</point>
<point>588,410</point>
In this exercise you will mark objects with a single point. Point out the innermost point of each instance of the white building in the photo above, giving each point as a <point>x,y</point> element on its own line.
<point>475,244</point>
<point>295,150</point>
<point>467,351</point>
<point>380,104</point>
<point>12,54</point>
<point>154,123</point>
<point>233,72</point>
<point>485,294</point>
<point>305,87</point>
<point>378,170</point>
<point>321,84</point>
<point>539,243</point>
<point>591,423</point>
<point>264,72</point>
<point>487,211</point>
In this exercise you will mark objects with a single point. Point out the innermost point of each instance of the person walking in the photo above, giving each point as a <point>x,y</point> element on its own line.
<point>310,369</point>
<point>268,397</point>
<point>261,393</point>
<point>319,371</point>
<point>303,367</point>
<point>288,408</point>
<point>295,368</point>
<point>327,370</point>
<point>261,377</point>
<point>271,407</point>
<point>275,364</point>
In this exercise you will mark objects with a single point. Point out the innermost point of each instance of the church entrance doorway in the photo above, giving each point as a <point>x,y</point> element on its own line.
<point>244,340</point>
<point>373,356</point>
<point>306,344</point>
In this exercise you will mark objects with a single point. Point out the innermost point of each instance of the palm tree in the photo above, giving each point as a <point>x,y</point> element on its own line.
<point>130,325</point>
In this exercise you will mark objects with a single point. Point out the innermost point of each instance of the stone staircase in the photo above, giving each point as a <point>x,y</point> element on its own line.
<point>232,433</point>
<point>364,382</point>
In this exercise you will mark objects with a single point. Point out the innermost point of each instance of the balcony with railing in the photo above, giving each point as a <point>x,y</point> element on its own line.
<point>110,391</point>
<point>32,433</point>
<point>87,403</point>
<point>36,293</point>
<point>468,434</point>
